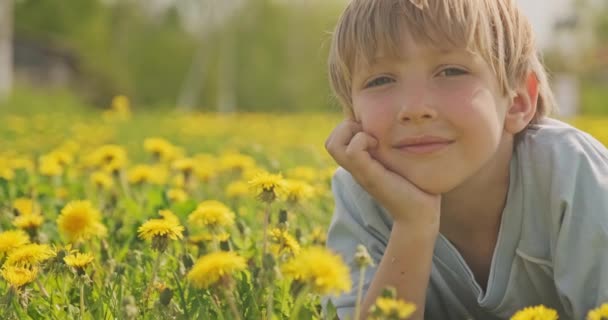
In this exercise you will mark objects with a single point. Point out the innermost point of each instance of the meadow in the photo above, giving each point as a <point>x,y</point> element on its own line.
<point>124,214</point>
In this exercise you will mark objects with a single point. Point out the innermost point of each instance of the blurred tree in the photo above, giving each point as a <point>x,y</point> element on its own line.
<point>6,48</point>
<point>208,54</point>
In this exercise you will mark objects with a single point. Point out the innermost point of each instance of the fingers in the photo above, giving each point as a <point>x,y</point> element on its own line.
<point>342,135</point>
<point>350,146</point>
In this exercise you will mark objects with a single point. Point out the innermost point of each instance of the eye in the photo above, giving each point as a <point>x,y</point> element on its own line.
<point>378,82</point>
<point>452,72</point>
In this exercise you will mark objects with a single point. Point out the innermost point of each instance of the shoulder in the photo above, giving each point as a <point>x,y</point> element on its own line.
<point>556,150</point>
<point>562,174</point>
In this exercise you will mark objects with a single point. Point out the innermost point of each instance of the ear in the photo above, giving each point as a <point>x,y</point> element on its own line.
<point>523,106</point>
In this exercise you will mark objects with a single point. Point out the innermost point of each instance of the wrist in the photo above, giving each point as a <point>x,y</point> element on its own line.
<point>426,228</point>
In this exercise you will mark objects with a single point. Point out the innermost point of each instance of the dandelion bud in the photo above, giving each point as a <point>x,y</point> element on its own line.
<point>362,257</point>
<point>283,216</point>
<point>165,296</point>
<point>187,261</point>
<point>224,245</point>
<point>268,262</point>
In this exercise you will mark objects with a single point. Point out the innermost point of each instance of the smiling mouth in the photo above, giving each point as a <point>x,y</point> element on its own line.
<point>425,148</point>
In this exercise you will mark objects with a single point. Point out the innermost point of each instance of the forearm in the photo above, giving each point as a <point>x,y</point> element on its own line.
<point>406,266</point>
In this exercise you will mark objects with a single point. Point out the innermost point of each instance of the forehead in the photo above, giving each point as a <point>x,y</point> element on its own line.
<point>407,48</point>
<point>401,41</point>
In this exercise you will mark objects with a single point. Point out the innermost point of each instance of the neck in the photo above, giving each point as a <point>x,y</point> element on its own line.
<point>474,209</point>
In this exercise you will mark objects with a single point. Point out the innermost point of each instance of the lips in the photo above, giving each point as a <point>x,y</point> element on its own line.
<point>423,144</point>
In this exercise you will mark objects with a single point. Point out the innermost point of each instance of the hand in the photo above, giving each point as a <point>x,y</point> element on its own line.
<point>352,148</point>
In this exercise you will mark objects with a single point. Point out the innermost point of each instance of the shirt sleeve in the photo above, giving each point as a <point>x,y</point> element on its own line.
<point>581,243</point>
<point>357,219</point>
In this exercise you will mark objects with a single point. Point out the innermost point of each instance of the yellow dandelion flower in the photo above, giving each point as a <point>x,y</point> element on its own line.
<point>321,269</point>
<point>7,173</point>
<point>50,167</point>
<point>539,312</point>
<point>178,181</point>
<point>78,261</point>
<point>390,308</point>
<point>396,308</point>
<point>267,187</point>
<point>235,161</point>
<point>160,231</point>
<point>283,242</point>
<point>177,195</point>
<point>17,276</point>
<point>160,148</point>
<point>110,157</point>
<point>26,206</point>
<point>297,191</point>
<point>237,189</point>
<point>30,255</point>
<point>210,268</point>
<point>12,239</point>
<point>160,228</point>
<point>30,221</point>
<point>318,236</point>
<point>599,313</point>
<point>213,214</point>
<point>102,180</point>
<point>121,105</point>
<point>205,170</point>
<point>63,158</point>
<point>185,165</point>
<point>144,173</point>
<point>79,220</point>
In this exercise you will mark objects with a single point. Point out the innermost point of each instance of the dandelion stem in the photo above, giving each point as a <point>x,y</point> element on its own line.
<point>269,302</point>
<point>230,298</point>
<point>152,280</point>
<point>82,299</point>
<point>359,293</point>
<point>265,230</point>
<point>42,289</point>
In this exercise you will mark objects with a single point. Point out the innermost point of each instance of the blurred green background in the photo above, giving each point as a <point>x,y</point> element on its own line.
<point>231,55</point>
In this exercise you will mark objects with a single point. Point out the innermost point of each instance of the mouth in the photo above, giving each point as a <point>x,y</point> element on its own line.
<point>423,145</point>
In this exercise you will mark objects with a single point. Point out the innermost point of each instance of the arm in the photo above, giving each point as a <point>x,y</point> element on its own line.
<point>415,214</point>
<point>406,265</point>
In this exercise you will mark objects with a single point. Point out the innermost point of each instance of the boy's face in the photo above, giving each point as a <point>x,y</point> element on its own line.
<point>438,114</point>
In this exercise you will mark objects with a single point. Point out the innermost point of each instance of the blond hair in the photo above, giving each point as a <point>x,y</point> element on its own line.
<point>495,29</point>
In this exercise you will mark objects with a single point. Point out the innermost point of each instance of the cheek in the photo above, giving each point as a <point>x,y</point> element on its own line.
<point>476,105</point>
<point>375,115</point>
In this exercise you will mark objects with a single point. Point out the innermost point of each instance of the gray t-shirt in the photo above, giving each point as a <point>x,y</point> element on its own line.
<point>552,246</point>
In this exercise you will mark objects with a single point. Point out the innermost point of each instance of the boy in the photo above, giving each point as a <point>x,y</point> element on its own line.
<point>471,201</point>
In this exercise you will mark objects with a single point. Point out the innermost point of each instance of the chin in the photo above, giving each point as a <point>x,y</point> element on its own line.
<point>434,186</point>
<point>436,182</point>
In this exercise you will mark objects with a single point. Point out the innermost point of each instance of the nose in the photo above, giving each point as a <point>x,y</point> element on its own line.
<point>416,111</point>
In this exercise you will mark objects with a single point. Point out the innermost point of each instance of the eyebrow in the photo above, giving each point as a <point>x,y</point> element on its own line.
<point>426,52</point>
